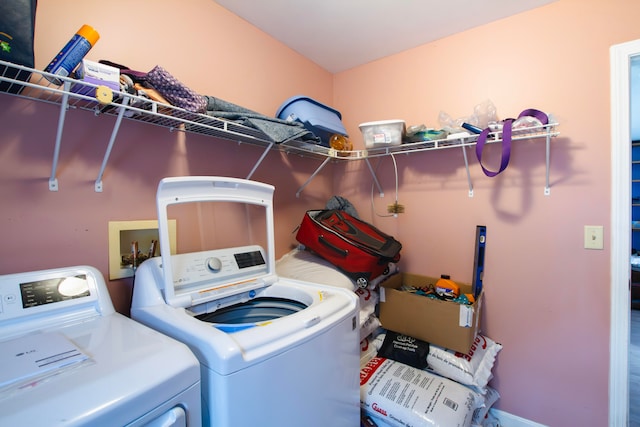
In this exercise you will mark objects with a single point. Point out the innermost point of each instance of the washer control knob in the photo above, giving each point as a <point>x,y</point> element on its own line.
<point>214,264</point>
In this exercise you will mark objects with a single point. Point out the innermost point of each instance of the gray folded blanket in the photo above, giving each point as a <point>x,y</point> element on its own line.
<point>276,130</point>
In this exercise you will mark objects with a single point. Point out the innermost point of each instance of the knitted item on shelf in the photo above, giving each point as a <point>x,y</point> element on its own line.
<point>174,91</point>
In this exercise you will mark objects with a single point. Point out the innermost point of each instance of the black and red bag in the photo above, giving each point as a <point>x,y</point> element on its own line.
<point>356,247</point>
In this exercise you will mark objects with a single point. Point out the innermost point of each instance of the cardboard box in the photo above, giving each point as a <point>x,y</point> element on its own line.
<point>443,323</point>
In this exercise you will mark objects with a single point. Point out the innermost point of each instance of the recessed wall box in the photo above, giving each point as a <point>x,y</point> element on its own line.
<point>121,236</point>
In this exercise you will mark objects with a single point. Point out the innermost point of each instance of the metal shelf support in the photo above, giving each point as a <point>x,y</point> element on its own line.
<point>64,106</point>
<point>466,165</point>
<point>375,178</point>
<point>313,175</point>
<point>112,139</point>
<point>547,188</point>
<point>264,154</point>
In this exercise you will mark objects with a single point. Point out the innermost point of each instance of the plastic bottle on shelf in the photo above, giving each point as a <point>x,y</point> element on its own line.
<point>72,53</point>
<point>340,142</point>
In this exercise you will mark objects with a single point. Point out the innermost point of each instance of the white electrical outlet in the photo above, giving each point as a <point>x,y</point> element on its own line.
<point>593,237</point>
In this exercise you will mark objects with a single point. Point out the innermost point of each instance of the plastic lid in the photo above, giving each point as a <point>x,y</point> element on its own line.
<point>89,33</point>
<point>296,98</point>
<point>382,122</point>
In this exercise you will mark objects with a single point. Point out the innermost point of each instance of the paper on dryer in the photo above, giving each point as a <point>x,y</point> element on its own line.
<point>35,355</point>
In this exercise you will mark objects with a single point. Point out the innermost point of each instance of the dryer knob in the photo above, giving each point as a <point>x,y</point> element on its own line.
<point>214,264</point>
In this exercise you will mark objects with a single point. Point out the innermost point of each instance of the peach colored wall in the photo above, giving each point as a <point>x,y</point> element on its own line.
<point>547,299</point>
<point>209,50</point>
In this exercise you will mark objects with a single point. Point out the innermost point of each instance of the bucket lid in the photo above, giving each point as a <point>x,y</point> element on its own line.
<point>296,98</point>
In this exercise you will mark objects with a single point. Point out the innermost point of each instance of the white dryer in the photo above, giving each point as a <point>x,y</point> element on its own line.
<point>68,359</point>
<point>273,351</point>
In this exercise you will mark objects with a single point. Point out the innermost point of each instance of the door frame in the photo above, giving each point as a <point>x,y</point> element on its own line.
<point>620,58</point>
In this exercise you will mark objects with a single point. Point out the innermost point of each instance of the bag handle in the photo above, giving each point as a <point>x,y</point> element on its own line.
<point>506,140</point>
<point>342,252</point>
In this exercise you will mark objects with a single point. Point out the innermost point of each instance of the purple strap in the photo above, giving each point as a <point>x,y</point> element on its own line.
<point>532,112</point>
<point>506,147</point>
<point>506,140</point>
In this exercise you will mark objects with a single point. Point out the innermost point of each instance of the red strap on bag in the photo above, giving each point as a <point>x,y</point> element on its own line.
<point>506,140</point>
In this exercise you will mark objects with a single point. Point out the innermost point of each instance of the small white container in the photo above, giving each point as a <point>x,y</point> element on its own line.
<point>382,133</point>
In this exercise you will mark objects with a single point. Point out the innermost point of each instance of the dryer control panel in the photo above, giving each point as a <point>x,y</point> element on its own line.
<point>47,293</point>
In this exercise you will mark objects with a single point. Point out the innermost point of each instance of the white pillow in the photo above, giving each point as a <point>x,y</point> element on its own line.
<point>304,265</point>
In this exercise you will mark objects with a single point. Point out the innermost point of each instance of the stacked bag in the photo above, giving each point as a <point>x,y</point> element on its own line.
<point>408,382</point>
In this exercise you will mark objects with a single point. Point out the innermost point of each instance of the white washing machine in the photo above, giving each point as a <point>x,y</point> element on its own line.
<point>68,359</point>
<point>273,351</point>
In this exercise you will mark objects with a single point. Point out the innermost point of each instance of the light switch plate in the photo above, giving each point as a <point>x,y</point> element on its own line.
<point>593,237</point>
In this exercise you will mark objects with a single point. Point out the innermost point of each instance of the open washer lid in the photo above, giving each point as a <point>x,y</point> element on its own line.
<point>194,278</point>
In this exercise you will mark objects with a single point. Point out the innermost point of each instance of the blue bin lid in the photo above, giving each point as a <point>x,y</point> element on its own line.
<point>305,98</point>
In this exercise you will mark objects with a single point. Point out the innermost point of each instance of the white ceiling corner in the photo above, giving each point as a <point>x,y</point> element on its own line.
<point>342,34</point>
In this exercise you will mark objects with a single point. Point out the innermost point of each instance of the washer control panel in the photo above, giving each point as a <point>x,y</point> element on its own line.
<point>220,267</point>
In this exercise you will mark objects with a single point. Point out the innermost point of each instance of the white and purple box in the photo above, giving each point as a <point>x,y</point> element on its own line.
<point>97,74</point>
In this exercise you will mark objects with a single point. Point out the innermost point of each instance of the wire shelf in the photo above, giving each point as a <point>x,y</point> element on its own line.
<point>33,84</point>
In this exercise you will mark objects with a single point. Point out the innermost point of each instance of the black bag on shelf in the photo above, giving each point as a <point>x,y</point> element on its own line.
<point>17,25</point>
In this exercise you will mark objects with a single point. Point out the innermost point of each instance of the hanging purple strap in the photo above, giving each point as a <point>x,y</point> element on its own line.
<point>506,140</point>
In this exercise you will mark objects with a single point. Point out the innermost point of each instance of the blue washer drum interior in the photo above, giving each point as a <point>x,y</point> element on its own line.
<point>246,315</point>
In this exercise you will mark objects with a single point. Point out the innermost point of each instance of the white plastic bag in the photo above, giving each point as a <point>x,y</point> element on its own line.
<point>484,115</point>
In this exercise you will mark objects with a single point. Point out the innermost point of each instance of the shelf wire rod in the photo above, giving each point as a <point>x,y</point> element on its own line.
<point>64,104</point>
<point>313,175</point>
<point>264,154</point>
<point>112,139</point>
<point>466,165</point>
<point>375,178</point>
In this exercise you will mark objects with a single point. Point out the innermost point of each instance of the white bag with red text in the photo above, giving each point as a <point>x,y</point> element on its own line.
<point>403,396</point>
<point>473,369</point>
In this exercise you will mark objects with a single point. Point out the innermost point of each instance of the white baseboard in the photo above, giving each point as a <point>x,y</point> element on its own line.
<point>508,420</point>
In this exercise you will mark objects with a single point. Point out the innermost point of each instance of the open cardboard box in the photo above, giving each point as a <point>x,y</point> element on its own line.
<point>443,323</point>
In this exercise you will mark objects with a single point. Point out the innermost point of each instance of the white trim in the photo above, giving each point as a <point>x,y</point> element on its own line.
<point>620,57</point>
<point>510,420</point>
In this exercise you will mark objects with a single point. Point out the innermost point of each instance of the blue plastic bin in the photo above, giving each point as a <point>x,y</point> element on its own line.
<point>323,121</point>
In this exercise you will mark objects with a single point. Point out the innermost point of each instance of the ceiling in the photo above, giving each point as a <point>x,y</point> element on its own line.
<point>342,34</point>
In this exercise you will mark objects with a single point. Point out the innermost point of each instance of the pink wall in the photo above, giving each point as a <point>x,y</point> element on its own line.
<point>209,50</point>
<point>547,299</point>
